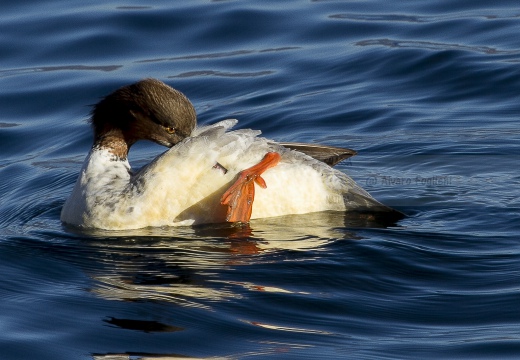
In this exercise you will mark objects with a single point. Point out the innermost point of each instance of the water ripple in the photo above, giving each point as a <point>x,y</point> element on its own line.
<point>221,74</point>
<point>434,46</point>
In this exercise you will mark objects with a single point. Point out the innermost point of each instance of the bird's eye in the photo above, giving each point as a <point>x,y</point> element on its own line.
<point>170,129</point>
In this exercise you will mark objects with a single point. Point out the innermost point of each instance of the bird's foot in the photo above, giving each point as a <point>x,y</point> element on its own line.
<point>240,196</point>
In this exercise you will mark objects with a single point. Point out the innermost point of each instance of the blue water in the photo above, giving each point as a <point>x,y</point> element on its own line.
<point>426,91</point>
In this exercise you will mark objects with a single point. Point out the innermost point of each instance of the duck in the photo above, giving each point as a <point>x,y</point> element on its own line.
<point>208,174</point>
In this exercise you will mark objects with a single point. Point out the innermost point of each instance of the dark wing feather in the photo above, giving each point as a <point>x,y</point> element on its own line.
<point>330,155</point>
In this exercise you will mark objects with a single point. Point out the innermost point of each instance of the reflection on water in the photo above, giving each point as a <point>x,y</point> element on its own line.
<point>146,356</point>
<point>297,229</point>
<point>188,266</point>
<point>178,265</point>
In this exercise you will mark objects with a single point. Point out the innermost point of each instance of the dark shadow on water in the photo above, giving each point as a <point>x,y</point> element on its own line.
<point>142,325</point>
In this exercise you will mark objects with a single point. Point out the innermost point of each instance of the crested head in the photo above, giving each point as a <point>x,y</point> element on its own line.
<point>146,110</point>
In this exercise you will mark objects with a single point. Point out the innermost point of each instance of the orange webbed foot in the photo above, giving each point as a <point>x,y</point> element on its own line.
<point>240,196</point>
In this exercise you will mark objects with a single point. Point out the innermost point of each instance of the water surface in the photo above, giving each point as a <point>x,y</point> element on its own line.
<point>426,92</point>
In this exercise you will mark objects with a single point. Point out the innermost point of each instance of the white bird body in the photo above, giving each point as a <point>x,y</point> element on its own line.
<point>185,184</point>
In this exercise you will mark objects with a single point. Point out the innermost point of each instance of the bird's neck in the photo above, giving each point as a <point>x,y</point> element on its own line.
<point>114,141</point>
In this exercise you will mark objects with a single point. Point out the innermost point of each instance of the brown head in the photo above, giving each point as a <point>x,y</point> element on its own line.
<point>146,110</point>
